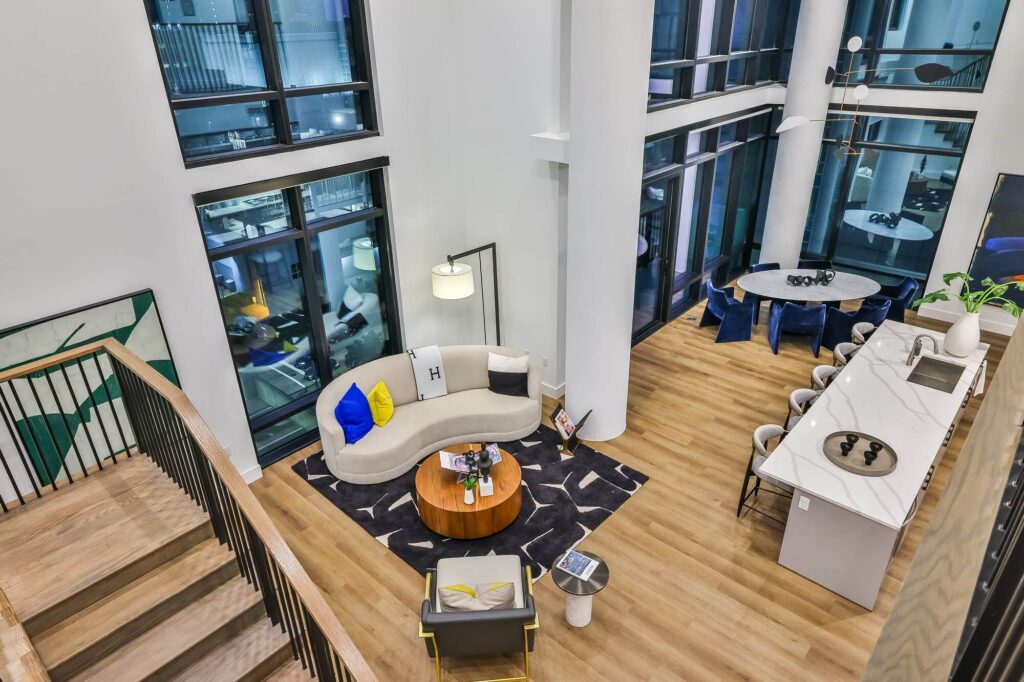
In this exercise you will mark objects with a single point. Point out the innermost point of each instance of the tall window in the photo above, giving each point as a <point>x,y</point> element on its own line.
<point>703,47</point>
<point>252,76</point>
<point>901,34</point>
<point>303,272</point>
<point>702,192</point>
<point>905,168</point>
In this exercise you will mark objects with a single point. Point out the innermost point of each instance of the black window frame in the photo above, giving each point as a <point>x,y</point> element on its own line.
<point>303,235</point>
<point>716,269</point>
<point>722,56</point>
<point>882,14</point>
<point>858,141</point>
<point>276,95</point>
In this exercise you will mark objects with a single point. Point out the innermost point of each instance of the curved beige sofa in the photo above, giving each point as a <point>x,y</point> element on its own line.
<point>470,412</point>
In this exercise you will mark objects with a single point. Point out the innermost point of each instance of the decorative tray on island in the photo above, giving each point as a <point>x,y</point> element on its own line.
<point>859,453</point>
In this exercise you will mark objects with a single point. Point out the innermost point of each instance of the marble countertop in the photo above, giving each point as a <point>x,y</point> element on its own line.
<point>773,284</point>
<point>872,395</point>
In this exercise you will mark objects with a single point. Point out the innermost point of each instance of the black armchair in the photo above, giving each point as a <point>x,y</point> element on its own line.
<point>479,633</point>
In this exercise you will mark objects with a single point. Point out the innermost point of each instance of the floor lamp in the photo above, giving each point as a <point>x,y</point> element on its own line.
<point>453,280</point>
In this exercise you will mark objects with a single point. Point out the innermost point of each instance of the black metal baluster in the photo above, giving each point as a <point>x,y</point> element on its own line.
<point>283,609</point>
<point>110,401</point>
<point>263,573</point>
<point>67,425</point>
<point>313,644</point>
<point>32,435</point>
<point>148,436</point>
<point>130,396</point>
<point>159,442</point>
<point>213,507</point>
<point>236,542</point>
<point>191,461</point>
<point>303,640</point>
<point>81,416</point>
<point>180,444</point>
<point>49,429</point>
<point>16,437</point>
<point>95,407</point>
<point>246,551</point>
<point>164,415</point>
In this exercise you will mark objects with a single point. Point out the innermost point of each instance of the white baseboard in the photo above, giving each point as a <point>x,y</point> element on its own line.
<point>997,325</point>
<point>553,391</point>
<point>252,475</point>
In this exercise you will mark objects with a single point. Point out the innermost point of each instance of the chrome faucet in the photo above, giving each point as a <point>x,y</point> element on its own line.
<point>918,343</point>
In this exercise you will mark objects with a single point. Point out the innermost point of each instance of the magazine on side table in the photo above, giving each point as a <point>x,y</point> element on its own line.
<point>578,565</point>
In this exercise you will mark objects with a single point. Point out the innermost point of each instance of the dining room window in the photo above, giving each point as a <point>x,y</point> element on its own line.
<point>700,48</point>
<point>703,190</point>
<point>304,277</point>
<point>880,203</point>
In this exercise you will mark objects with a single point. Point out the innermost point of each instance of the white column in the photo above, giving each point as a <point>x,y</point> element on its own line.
<point>609,69</point>
<point>818,35</point>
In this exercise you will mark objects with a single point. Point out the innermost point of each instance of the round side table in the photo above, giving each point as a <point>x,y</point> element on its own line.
<point>579,594</point>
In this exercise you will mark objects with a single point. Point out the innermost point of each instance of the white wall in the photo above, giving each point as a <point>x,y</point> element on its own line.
<point>98,202</point>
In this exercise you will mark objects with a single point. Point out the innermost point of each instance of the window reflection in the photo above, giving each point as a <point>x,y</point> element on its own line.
<point>238,220</point>
<point>314,41</point>
<point>335,197</point>
<point>208,48</point>
<point>263,305</point>
<point>349,279</point>
<point>226,128</point>
<point>316,116</point>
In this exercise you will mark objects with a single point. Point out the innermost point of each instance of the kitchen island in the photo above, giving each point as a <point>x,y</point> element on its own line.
<point>843,528</point>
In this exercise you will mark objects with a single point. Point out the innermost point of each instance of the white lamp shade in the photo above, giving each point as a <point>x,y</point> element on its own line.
<point>854,44</point>
<point>452,281</point>
<point>791,122</point>
<point>860,92</point>
<point>362,254</point>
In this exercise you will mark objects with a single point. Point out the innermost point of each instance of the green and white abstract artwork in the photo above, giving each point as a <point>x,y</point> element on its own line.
<point>80,403</point>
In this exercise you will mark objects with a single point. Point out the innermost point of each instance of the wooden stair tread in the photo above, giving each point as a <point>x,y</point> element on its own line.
<point>64,543</point>
<point>251,655</point>
<point>90,634</point>
<point>176,642</point>
<point>290,672</point>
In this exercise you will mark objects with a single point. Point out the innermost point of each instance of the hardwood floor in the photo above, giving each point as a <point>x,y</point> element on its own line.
<point>695,593</point>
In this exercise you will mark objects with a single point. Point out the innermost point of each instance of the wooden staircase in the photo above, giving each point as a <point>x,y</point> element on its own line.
<point>119,577</point>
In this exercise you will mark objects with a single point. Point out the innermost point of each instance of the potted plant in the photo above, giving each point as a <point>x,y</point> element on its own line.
<point>470,483</point>
<point>965,334</point>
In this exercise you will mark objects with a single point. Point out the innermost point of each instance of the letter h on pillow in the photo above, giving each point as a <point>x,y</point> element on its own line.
<point>508,376</point>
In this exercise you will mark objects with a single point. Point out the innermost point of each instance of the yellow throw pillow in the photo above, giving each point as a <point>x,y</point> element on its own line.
<point>382,407</point>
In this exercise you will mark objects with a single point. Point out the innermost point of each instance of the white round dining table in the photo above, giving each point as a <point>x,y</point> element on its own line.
<point>905,230</point>
<point>773,284</point>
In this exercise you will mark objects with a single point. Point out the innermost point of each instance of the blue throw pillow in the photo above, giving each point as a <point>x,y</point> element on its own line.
<point>353,414</point>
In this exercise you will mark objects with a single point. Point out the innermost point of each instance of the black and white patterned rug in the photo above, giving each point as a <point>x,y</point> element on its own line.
<point>565,498</point>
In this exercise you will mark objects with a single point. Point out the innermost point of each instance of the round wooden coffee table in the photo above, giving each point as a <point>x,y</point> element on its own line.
<point>440,496</point>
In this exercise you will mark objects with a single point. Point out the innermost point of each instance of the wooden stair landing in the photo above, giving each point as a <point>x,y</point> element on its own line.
<point>119,577</point>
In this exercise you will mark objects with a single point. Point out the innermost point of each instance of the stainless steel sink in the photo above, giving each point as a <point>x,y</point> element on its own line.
<point>937,374</point>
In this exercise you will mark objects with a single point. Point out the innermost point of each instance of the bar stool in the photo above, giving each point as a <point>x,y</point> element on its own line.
<point>862,331</point>
<point>822,376</point>
<point>844,352</point>
<point>799,401</point>
<point>758,456</point>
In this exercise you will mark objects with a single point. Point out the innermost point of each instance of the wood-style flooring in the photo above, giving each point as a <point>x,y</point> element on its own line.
<point>695,593</point>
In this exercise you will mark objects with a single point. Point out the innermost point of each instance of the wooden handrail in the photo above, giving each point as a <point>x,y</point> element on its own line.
<point>920,638</point>
<point>19,660</point>
<point>220,463</point>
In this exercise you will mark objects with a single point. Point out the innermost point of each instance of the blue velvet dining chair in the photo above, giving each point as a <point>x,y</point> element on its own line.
<point>901,295</point>
<point>790,318</point>
<point>735,319</point>
<point>811,264</point>
<point>839,325</point>
<point>754,298</point>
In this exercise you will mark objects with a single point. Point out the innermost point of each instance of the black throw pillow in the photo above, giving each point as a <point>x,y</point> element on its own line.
<point>507,375</point>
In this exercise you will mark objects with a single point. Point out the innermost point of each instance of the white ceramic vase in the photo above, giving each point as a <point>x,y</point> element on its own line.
<point>468,497</point>
<point>963,337</point>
